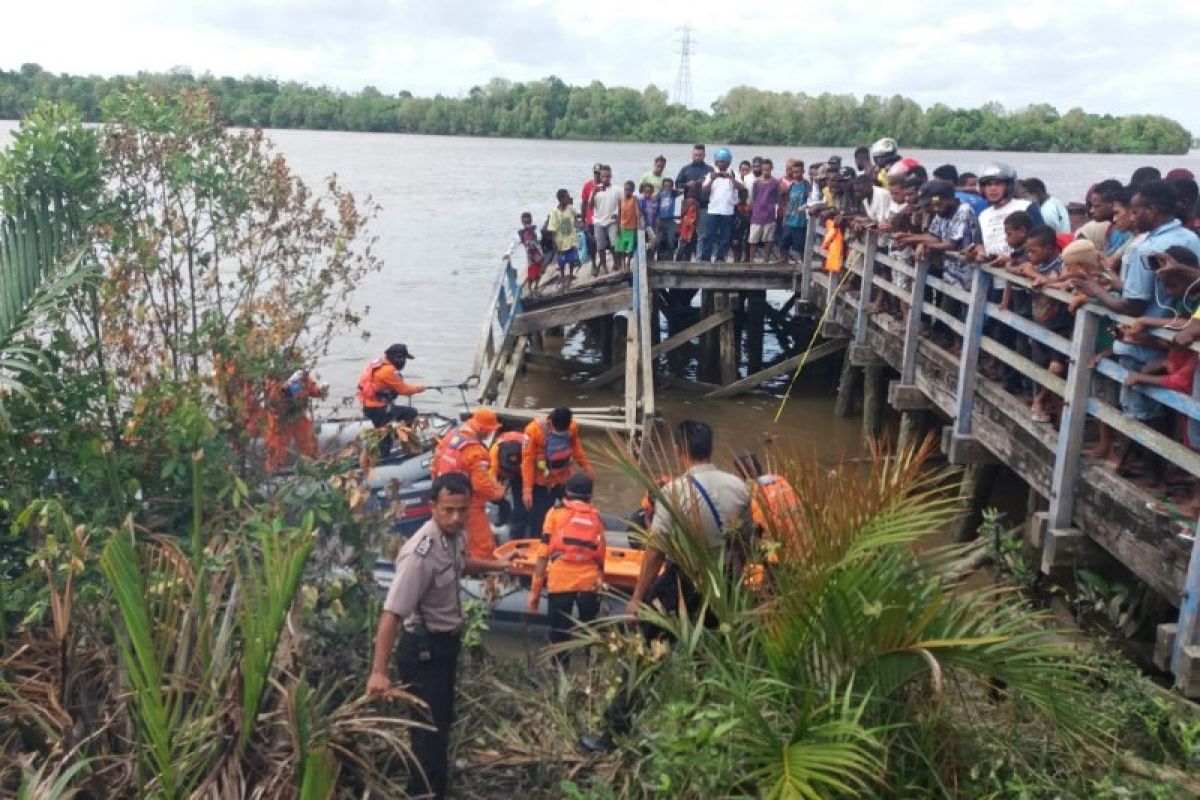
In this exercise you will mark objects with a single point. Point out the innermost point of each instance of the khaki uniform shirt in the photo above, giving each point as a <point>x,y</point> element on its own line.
<point>729,494</point>
<point>425,587</point>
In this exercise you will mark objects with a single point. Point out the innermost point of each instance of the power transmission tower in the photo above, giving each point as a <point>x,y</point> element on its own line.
<point>683,76</point>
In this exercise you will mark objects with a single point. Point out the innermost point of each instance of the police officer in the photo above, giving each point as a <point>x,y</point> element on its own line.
<point>706,502</point>
<point>425,606</point>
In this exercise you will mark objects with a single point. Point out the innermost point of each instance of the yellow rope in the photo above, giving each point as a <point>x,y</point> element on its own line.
<point>812,341</point>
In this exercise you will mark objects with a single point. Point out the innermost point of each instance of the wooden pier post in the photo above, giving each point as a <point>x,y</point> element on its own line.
<point>726,339</point>
<point>903,394</point>
<point>756,320</point>
<point>874,396</point>
<point>843,406</point>
<point>973,496</point>
<point>806,263</point>
<point>618,338</point>
<point>607,351</point>
<point>913,425</point>
<point>963,446</point>
<point>707,368</point>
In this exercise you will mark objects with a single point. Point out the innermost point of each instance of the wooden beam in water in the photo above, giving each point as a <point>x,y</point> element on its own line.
<point>678,340</point>
<point>782,368</point>
<point>515,361</point>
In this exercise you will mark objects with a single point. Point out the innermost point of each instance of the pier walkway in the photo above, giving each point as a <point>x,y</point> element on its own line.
<point>1091,510</point>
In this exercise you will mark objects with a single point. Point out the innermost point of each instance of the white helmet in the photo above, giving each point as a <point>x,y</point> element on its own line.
<point>884,148</point>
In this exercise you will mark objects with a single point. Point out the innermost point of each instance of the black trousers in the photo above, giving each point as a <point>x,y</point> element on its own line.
<point>584,606</point>
<point>544,498</point>
<point>378,415</point>
<point>519,522</point>
<point>433,682</point>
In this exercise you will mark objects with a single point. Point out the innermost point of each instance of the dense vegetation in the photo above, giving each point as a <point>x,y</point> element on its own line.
<point>167,628</point>
<point>550,109</point>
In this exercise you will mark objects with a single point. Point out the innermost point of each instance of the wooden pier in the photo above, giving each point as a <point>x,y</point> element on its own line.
<point>1091,510</point>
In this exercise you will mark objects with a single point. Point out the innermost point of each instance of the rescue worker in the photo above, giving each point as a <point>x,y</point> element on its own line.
<point>704,502</point>
<point>288,419</point>
<point>775,512</point>
<point>424,606</point>
<point>773,499</point>
<point>464,449</point>
<point>505,457</point>
<point>380,384</point>
<point>570,564</point>
<point>546,462</point>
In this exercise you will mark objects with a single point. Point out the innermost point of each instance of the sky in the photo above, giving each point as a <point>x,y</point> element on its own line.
<point>1105,56</point>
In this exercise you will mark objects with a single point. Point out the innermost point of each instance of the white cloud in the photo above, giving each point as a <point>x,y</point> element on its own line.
<point>1103,55</point>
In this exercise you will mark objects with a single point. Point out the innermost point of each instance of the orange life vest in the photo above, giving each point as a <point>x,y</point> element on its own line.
<point>449,455</point>
<point>777,494</point>
<point>834,244</point>
<point>579,536</point>
<point>369,391</point>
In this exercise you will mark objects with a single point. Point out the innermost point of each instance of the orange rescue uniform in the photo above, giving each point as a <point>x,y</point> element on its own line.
<point>380,379</point>
<point>539,470</point>
<point>288,420</point>
<point>462,450</point>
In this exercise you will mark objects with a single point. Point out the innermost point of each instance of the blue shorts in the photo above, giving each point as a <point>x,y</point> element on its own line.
<point>568,258</point>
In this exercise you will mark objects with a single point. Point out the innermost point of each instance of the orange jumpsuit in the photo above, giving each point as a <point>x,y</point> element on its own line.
<point>288,420</point>
<point>534,469</point>
<point>467,454</point>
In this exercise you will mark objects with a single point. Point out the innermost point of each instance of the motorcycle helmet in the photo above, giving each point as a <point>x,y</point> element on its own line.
<point>999,172</point>
<point>723,154</point>
<point>901,167</point>
<point>885,148</point>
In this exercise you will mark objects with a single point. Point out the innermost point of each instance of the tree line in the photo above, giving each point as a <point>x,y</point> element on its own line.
<point>552,109</point>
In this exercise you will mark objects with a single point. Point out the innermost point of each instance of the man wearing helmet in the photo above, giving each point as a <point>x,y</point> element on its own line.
<point>884,153</point>
<point>721,189</point>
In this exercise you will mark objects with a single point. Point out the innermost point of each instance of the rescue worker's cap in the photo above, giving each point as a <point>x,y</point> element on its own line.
<point>579,485</point>
<point>484,420</point>
<point>399,351</point>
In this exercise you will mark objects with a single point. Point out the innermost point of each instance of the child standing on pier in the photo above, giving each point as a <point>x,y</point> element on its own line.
<point>562,224</point>
<point>665,225</point>
<point>530,241</point>
<point>1045,269</point>
<point>686,247</point>
<point>649,210</point>
<point>630,221</point>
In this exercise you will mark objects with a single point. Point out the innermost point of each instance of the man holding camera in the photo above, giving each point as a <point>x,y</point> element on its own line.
<point>424,607</point>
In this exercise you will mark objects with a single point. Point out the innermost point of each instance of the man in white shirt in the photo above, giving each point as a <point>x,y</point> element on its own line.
<point>721,188</point>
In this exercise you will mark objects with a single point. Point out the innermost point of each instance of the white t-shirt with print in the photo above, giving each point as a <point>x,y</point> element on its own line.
<point>722,197</point>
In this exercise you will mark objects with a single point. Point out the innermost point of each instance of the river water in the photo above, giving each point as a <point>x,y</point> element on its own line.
<point>450,206</point>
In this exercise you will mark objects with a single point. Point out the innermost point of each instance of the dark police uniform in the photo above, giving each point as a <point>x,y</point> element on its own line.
<point>425,596</point>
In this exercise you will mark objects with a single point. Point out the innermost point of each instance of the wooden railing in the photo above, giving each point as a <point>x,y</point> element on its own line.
<point>1181,642</point>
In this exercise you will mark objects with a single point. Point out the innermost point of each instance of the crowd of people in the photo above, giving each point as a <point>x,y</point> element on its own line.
<point>1130,246</point>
